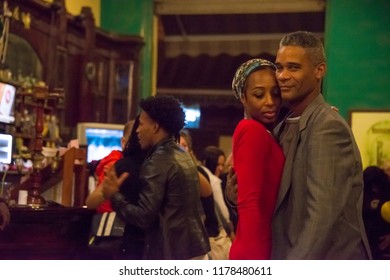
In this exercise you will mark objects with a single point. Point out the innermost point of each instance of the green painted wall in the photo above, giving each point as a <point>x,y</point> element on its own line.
<point>357,43</point>
<point>133,17</point>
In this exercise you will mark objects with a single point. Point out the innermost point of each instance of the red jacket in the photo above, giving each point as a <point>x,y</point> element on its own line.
<point>109,160</point>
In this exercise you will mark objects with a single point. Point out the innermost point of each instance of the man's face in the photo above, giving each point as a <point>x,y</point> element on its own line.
<point>146,131</point>
<point>297,76</point>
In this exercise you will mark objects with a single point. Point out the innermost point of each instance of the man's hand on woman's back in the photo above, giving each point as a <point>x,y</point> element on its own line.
<point>231,187</point>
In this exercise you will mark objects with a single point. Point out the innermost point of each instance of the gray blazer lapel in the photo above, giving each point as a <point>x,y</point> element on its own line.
<point>289,162</point>
<point>309,111</point>
<point>287,172</point>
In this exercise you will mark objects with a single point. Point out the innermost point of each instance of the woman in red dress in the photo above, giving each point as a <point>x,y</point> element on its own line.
<point>257,158</point>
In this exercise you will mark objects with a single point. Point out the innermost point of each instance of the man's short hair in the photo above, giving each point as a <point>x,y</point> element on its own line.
<point>308,41</point>
<point>166,111</point>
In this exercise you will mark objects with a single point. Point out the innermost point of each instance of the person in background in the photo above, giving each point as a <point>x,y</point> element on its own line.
<point>232,207</point>
<point>257,158</point>
<point>133,157</point>
<point>4,214</point>
<point>376,194</point>
<point>213,162</point>
<point>129,160</point>
<point>168,208</point>
<point>318,213</point>
<point>94,199</point>
<point>220,243</point>
<point>186,143</point>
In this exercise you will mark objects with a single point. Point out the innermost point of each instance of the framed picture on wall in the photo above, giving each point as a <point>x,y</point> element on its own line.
<point>371,129</point>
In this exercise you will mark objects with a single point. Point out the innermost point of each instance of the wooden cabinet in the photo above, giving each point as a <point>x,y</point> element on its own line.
<point>52,233</point>
<point>120,95</point>
<point>27,108</point>
<point>99,71</point>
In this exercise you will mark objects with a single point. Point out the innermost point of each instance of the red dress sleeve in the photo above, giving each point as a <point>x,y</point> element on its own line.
<point>254,152</point>
<point>109,160</point>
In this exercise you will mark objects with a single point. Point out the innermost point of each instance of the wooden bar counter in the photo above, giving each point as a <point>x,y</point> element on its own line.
<point>52,232</point>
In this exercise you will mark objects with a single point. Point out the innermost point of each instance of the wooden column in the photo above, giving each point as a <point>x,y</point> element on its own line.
<point>40,94</point>
<point>88,70</point>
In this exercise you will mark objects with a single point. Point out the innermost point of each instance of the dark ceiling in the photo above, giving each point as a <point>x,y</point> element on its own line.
<point>199,53</point>
<point>242,23</point>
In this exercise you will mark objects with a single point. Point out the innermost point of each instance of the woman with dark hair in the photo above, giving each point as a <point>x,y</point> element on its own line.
<point>219,241</point>
<point>129,160</point>
<point>94,199</point>
<point>213,163</point>
<point>133,157</point>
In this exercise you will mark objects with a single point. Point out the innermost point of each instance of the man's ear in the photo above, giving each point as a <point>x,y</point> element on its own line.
<point>156,127</point>
<point>320,70</point>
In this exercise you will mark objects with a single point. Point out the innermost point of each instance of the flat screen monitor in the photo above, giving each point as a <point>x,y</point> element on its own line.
<point>192,115</point>
<point>5,148</point>
<point>99,138</point>
<point>7,99</point>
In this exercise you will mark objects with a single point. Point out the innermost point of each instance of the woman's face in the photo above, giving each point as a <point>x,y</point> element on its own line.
<point>184,144</point>
<point>220,166</point>
<point>262,97</point>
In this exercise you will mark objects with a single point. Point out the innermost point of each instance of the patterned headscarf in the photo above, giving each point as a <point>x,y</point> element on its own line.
<point>244,71</point>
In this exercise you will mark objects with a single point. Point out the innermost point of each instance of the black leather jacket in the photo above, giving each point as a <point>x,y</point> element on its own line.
<point>168,208</point>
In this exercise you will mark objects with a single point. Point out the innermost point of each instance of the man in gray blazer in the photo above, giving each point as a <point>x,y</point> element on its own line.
<point>318,213</point>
